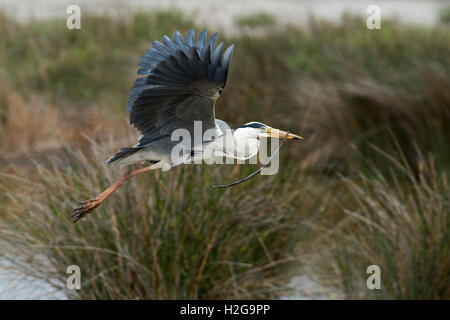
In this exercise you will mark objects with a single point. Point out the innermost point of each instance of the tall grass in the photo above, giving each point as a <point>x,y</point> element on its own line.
<point>401,224</point>
<point>161,236</point>
<point>93,66</point>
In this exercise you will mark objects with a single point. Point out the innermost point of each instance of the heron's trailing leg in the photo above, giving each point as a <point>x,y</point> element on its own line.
<point>88,206</point>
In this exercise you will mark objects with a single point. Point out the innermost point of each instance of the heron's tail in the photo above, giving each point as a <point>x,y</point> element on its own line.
<point>122,154</point>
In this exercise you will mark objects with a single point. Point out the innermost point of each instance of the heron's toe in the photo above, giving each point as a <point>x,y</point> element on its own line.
<point>85,208</point>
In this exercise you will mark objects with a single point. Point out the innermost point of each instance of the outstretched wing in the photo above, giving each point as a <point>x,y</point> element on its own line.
<point>183,81</point>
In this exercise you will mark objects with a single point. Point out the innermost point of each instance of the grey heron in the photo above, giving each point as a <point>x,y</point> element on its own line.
<point>182,81</point>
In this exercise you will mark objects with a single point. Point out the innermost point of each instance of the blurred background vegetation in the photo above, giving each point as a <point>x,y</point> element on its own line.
<point>368,185</point>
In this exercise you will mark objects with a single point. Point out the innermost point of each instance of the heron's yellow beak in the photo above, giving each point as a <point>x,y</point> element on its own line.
<point>275,133</point>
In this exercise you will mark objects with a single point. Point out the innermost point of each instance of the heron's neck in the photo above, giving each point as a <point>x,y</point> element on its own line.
<point>245,146</point>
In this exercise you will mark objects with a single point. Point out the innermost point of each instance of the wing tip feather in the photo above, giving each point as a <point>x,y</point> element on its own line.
<point>206,60</point>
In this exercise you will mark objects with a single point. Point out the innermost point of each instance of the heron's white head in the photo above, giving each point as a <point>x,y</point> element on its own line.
<point>257,130</point>
<point>247,137</point>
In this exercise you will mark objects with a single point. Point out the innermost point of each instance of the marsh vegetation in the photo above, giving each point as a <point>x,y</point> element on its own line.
<point>369,184</point>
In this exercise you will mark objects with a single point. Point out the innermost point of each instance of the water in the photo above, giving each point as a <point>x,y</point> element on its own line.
<point>221,14</point>
<point>15,285</point>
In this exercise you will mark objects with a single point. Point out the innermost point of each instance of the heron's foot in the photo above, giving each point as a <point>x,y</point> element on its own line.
<point>85,208</point>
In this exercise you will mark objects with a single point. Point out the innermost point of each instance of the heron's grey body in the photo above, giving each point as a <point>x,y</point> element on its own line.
<point>183,81</point>
<point>225,143</point>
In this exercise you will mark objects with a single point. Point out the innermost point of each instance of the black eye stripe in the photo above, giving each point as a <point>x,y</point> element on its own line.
<point>253,125</point>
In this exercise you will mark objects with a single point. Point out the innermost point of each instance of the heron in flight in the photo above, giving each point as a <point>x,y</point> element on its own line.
<point>182,81</point>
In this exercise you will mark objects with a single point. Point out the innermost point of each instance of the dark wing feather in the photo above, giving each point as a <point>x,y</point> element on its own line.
<point>183,80</point>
